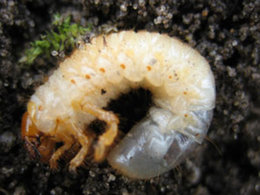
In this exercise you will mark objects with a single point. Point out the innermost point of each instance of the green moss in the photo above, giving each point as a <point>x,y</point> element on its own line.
<point>63,35</point>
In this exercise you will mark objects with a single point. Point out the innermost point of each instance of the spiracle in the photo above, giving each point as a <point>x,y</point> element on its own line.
<point>183,95</point>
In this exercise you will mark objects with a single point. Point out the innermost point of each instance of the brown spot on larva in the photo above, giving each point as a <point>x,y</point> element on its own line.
<point>149,68</point>
<point>122,66</point>
<point>87,76</point>
<point>185,93</point>
<point>170,76</point>
<point>185,115</point>
<point>40,107</point>
<point>197,134</point>
<point>45,79</point>
<point>103,91</point>
<point>104,41</point>
<point>73,81</point>
<point>102,70</point>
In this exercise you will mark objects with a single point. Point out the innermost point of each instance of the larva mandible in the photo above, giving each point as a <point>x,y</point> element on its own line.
<point>179,78</point>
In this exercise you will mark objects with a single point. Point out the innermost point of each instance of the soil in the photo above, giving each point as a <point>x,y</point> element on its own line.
<point>225,32</point>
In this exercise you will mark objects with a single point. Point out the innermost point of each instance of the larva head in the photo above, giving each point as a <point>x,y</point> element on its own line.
<point>39,145</point>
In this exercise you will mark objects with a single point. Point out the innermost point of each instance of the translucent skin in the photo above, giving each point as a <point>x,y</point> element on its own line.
<point>148,150</point>
<point>183,91</point>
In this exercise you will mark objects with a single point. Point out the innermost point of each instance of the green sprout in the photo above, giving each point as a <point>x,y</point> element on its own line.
<point>63,35</point>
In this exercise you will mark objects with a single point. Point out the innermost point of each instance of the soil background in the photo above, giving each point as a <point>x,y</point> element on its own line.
<point>226,32</point>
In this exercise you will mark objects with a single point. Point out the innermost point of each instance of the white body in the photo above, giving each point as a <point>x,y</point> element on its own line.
<point>179,78</point>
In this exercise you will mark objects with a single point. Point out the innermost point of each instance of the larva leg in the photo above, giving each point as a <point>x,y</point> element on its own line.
<point>107,138</point>
<point>67,142</point>
<point>84,142</point>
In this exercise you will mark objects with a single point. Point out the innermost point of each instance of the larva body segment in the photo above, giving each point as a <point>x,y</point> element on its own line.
<point>183,91</point>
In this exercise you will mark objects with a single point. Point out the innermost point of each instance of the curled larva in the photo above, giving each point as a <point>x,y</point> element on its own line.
<point>183,94</point>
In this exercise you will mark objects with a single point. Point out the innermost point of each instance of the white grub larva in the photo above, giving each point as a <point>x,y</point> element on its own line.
<point>183,94</point>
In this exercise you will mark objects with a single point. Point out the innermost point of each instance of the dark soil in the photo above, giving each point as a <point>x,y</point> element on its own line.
<point>226,32</point>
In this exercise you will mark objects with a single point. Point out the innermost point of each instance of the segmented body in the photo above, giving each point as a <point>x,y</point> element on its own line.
<point>179,78</point>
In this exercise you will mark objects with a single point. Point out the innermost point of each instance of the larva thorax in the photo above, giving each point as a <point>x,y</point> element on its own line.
<point>178,77</point>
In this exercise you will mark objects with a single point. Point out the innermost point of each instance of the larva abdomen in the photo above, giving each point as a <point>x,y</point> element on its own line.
<point>161,60</point>
<point>178,77</point>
